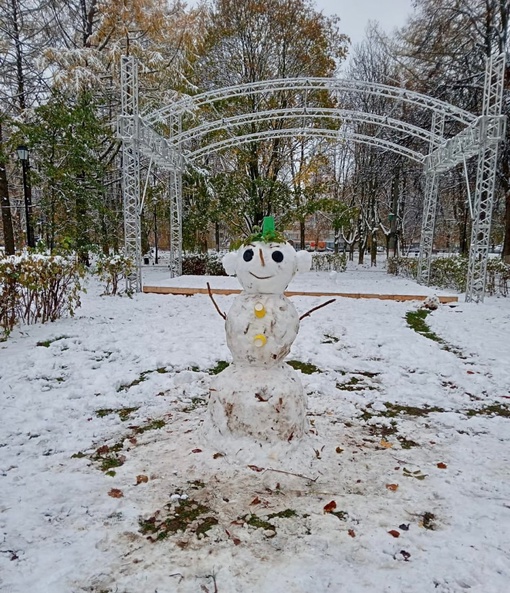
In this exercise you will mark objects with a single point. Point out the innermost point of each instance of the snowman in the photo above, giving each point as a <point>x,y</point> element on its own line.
<point>259,395</point>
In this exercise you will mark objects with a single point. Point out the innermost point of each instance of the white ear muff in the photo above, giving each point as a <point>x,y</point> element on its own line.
<point>304,261</point>
<point>229,262</point>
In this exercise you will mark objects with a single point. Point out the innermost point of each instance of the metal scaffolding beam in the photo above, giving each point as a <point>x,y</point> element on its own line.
<point>129,132</point>
<point>492,130</point>
<point>428,223</point>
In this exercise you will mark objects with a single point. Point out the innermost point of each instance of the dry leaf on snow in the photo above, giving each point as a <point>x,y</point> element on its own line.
<point>116,493</point>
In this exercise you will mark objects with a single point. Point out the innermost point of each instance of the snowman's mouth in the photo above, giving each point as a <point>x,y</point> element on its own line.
<point>260,277</point>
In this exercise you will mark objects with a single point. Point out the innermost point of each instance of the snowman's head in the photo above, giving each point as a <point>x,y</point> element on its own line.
<point>266,267</point>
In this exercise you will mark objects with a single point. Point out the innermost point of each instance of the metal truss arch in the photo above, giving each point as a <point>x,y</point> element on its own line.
<point>312,114</point>
<point>194,123</point>
<point>335,86</point>
<point>306,132</point>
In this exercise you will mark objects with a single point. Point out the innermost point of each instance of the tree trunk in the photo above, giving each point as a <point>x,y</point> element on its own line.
<point>302,233</point>
<point>506,245</point>
<point>505,255</point>
<point>5,205</point>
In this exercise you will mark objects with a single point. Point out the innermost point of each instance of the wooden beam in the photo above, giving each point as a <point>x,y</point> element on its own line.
<point>177,290</point>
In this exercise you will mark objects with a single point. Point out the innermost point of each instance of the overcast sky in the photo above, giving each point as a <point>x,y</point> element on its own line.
<point>355,14</point>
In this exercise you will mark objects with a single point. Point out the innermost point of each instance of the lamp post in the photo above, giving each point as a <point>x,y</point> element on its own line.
<point>23,154</point>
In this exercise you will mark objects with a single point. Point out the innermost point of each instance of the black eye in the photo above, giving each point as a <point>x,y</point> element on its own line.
<point>277,256</point>
<point>248,255</point>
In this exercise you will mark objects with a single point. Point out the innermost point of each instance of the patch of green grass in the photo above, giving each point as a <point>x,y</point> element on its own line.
<point>151,425</point>
<point>196,484</point>
<point>47,343</point>
<point>383,430</point>
<point>204,526</point>
<point>196,402</point>
<point>286,514</point>
<point>107,456</point>
<point>265,522</point>
<point>180,518</point>
<point>307,368</point>
<point>124,413</point>
<point>259,523</point>
<point>416,321</point>
<point>492,410</point>
<point>353,384</point>
<point>418,475</point>
<point>393,410</point>
<point>407,443</point>
<point>221,365</point>
<point>342,515</point>
<point>141,378</point>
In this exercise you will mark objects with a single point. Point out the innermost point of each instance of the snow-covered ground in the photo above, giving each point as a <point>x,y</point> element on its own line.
<point>108,484</point>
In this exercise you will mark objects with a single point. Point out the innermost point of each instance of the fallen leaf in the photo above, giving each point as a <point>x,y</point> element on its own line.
<point>392,487</point>
<point>255,468</point>
<point>330,507</point>
<point>196,450</point>
<point>351,533</point>
<point>339,450</point>
<point>385,444</point>
<point>405,555</point>
<point>256,500</point>
<point>470,372</point>
<point>404,526</point>
<point>141,479</point>
<point>103,450</point>
<point>115,493</point>
<point>218,455</point>
<point>394,533</point>
<point>442,465</point>
<point>236,540</point>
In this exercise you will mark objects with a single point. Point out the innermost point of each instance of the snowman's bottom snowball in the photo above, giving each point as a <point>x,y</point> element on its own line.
<point>266,404</point>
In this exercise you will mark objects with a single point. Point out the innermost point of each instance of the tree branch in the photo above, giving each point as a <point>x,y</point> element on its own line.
<point>307,314</point>
<point>214,302</point>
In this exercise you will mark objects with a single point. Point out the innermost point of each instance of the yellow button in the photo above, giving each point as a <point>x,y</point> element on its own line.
<point>259,340</point>
<point>259,310</point>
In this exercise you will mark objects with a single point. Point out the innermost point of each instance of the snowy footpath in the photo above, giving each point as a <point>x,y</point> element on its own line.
<point>109,483</point>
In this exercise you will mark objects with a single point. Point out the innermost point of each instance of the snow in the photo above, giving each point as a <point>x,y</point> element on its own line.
<point>67,526</point>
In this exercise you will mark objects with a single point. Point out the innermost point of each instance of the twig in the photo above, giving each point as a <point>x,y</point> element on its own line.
<point>307,314</point>
<point>214,302</point>
<point>281,471</point>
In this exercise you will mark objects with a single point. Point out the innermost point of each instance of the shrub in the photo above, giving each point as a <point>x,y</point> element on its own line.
<point>327,262</point>
<point>112,269</point>
<point>451,272</point>
<point>37,288</point>
<point>202,264</point>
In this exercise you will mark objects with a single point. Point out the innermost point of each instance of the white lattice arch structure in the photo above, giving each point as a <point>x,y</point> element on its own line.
<point>194,128</point>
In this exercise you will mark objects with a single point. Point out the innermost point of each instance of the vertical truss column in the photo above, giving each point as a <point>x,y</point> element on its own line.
<point>485,179</point>
<point>428,222</point>
<point>129,132</point>
<point>175,190</point>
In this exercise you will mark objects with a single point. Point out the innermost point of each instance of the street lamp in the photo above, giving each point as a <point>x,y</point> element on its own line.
<point>23,154</point>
